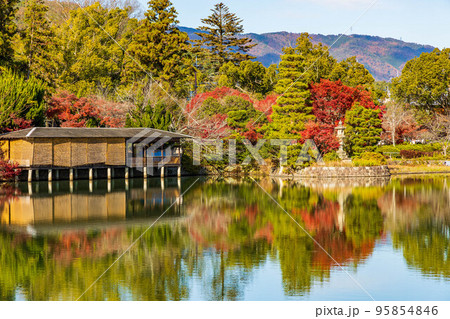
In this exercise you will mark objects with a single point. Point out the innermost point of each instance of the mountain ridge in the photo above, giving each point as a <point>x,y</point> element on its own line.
<point>383,57</point>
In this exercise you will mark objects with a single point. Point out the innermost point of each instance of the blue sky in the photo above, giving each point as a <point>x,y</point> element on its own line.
<point>420,21</point>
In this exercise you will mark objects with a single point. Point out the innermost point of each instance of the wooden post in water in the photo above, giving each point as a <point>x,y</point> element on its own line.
<point>145,172</point>
<point>30,175</point>
<point>50,175</point>
<point>91,174</point>
<point>71,174</point>
<point>127,173</point>
<point>179,171</point>
<point>109,173</point>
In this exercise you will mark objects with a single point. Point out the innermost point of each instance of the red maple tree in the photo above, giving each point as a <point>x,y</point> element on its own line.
<point>216,126</point>
<point>67,110</point>
<point>330,101</point>
<point>19,123</point>
<point>8,170</point>
<point>323,135</point>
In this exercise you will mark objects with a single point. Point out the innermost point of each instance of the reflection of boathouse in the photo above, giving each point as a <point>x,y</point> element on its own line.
<point>81,153</point>
<point>87,202</point>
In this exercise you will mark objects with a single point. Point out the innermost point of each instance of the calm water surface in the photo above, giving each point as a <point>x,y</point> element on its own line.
<point>225,239</point>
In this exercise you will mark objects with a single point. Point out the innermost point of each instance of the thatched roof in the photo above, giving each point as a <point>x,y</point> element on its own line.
<point>69,132</point>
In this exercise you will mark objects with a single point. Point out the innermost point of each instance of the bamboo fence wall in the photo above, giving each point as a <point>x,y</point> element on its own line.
<point>66,152</point>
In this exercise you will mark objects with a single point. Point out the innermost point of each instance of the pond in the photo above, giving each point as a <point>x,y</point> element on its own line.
<point>226,239</point>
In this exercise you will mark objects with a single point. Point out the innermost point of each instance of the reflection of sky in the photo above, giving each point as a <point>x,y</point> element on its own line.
<point>385,275</point>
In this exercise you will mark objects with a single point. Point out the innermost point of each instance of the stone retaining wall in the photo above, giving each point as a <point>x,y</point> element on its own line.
<point>350,182</point>
<point>344,172</point>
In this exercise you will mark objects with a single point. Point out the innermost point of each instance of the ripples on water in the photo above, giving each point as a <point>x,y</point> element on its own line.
<point>225,239</point>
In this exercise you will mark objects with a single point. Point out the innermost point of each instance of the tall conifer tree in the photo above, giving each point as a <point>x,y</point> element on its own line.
<point>7,30</point>
<point>220,35</point>
<point>38,39</point>
<point>292,110</point>
<point>362,129</point>
<point>159,46</point>
<point>318,61</point>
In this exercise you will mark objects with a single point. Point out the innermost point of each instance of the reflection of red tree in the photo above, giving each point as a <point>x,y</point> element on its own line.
<point>71,245</point>
<point>251,212</point>
<point>210,227</point>
<point>79,244</point>
<point>322,222</point>
<point>340,248</point>
<point>265,233</point>
<point>19,239</point>
<point>7,193</point>
<point>321,217</point>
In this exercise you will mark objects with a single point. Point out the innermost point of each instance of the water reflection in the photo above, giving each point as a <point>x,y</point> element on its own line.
<point>217,237</point>
<point>39,204</point>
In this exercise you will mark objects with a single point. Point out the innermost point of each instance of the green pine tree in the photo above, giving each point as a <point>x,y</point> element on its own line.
<point>38,38</point>
<point>292,110</point>
<point>362,129</point>
<point>250,76</point>
<point>318,63</point>
<point>157,117</point>
<point>7,30</point>
<point>159,47</point>
<point>21,100</point>
<point>221,35</point>
<point>352,73</point>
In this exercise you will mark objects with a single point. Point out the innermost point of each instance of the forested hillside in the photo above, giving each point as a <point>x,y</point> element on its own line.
<point>383,57</point>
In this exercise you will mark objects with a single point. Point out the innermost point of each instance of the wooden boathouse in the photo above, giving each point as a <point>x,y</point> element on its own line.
<point>46,153</point>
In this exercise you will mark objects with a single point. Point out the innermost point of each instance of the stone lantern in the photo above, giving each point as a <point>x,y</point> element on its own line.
<point>341,138</point>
